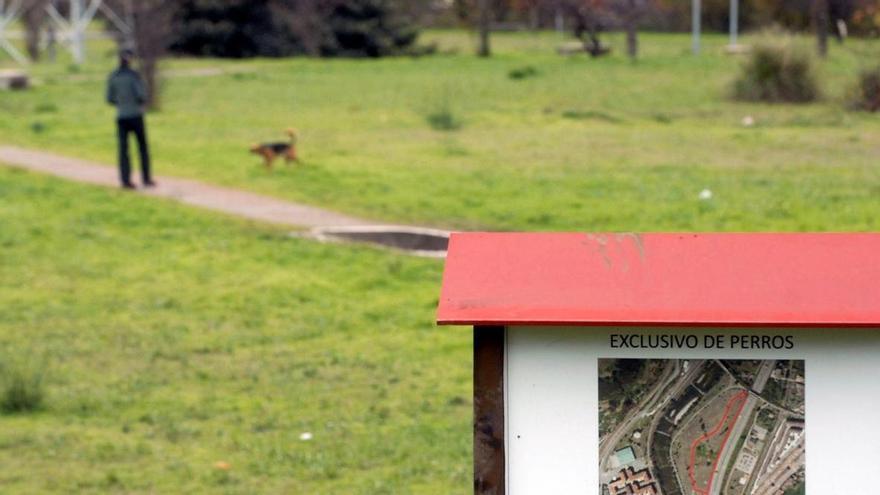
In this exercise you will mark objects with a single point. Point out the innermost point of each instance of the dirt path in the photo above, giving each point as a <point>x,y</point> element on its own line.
<point>191,72</point>
<point>227,200</point>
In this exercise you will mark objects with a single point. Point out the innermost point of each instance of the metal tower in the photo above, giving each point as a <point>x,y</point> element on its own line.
<point>72,29</point>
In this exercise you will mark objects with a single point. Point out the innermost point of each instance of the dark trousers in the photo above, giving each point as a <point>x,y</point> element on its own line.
<point>134,125</point>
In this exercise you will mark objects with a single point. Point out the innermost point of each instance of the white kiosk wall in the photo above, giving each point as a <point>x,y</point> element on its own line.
<point>551,396</point>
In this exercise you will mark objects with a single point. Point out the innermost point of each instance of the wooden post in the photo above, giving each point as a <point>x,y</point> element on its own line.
<point>489,460</point>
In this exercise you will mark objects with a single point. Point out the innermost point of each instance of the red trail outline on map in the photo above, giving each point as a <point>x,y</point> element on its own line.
<point>738,398</point>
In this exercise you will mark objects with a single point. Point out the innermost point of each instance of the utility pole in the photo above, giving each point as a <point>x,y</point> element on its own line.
<point>559,21</point>
<point>696,21</point>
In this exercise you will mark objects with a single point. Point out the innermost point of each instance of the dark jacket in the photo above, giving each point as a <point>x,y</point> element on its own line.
<point>126,90</point>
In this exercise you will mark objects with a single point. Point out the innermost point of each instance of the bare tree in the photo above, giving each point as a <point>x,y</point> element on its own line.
<point>484,22</point>
<point>590,17</point>
<point>306,19</point>
<point>631,26</point>
<point>480,13</point>
<point>630,12</point>
<point>820,22</point>
<point>33,19</point>
<point>151,36</point>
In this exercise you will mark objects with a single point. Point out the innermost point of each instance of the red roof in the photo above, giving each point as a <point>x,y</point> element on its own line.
<point>662,279</point>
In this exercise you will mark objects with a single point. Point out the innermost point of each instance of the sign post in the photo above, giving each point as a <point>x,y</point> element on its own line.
<point>670,364</point>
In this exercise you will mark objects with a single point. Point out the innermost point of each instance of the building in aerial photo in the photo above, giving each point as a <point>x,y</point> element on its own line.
<point>632,482</point>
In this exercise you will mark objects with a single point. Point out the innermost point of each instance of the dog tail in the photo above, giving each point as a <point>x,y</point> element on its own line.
<point>291,133</point>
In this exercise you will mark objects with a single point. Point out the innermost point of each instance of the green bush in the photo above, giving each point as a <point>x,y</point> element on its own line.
<point>38,127</point>
<point>443,120</point>
<point>22,388</point>
<point>867,93</point>
<point>522,72</point>
<point>46,107</point>
<point>590,115</point>
<point>778,70</point>
<point>442,117</point>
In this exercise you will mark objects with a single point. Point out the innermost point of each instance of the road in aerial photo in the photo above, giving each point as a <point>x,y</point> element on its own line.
<point>701,427</point>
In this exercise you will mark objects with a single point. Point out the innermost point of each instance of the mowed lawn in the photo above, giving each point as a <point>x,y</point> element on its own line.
<point>580,145</point>
<point>173,340</point>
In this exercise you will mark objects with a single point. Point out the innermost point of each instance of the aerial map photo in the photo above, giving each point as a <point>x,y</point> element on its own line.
<point>701,427</point>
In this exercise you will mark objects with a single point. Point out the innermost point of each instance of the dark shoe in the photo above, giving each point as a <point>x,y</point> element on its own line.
<point>149,183</point>
<point>129,186</point>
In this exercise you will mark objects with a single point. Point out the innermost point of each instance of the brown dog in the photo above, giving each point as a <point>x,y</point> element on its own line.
<point>271,151</point>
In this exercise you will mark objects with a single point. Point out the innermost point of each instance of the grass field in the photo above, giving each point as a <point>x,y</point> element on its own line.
<point>186,352</point>
<point>582,145</point>
<point>174,339</point>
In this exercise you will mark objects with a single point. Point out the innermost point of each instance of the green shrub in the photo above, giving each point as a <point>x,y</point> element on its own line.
<point>443,120</point>
<point>575,114</point>
<point>778,70</point>
<point>522,72</point>
<point>22,388</point>
<point>46,107</point>
<point>38,127</point>
<point>442,117</point>
<point>867,93</point>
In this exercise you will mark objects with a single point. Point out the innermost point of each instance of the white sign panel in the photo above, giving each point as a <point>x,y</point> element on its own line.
<point>662,411</point>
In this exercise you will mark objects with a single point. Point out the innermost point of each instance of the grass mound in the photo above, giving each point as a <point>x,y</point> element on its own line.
<point>778,70</point>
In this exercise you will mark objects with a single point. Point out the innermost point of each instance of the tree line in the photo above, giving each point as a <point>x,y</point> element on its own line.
<point>587,19</point>
<point>244,28</point>
<point>376,28</point>
<point>249,28</point>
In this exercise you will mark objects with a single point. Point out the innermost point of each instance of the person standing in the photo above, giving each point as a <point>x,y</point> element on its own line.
<point>127,92</point>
